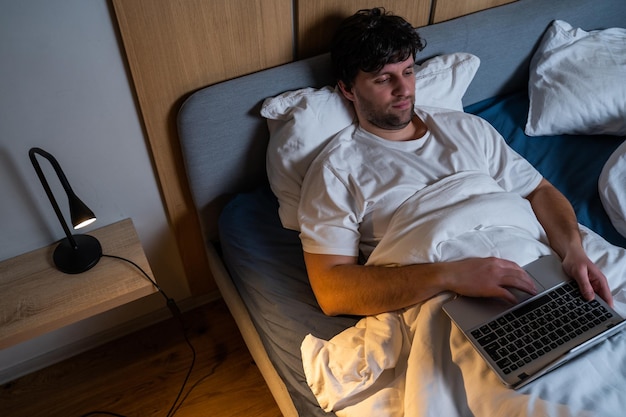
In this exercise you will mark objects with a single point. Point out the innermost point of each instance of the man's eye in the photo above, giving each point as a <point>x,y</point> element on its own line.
<point>381,80</point>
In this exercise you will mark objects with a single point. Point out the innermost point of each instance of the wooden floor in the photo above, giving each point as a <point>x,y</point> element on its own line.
<point>141,374</point>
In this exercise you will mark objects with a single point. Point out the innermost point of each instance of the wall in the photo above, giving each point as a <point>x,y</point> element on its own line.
<point>64,87</point>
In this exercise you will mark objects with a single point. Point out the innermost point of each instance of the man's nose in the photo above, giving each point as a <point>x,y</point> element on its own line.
<point>403,86</point>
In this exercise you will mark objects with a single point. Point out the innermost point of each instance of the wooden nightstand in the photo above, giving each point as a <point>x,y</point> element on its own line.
<point>36,298</point>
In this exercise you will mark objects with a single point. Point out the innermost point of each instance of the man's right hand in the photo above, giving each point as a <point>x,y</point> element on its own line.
<point>487,277</point>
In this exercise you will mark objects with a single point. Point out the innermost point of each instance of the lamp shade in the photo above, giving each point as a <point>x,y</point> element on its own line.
<point>80,214</point>
<point>75,253</point>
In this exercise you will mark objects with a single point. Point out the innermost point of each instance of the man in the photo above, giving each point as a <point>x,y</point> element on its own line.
<point>367,171</point>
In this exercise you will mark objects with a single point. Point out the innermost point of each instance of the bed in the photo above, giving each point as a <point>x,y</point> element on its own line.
<point>257,262</point>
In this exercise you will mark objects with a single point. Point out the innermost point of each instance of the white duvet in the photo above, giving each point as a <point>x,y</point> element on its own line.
<point>415,363</point>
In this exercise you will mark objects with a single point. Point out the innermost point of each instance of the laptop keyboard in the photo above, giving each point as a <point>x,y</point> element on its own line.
<point>540,326</point>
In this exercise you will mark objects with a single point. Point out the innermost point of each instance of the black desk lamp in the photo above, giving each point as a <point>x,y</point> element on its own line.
<point>75,253</point>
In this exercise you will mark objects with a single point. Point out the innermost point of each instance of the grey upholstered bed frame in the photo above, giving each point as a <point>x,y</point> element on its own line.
<point>223,137</point>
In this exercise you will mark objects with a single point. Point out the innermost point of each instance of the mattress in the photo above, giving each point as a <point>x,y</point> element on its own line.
<point>266,263</point>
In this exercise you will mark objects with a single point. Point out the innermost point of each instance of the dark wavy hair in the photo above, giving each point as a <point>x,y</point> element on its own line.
<point>369,40</point>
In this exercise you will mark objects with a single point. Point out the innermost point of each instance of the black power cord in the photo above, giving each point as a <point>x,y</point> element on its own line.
<point>176,313</point>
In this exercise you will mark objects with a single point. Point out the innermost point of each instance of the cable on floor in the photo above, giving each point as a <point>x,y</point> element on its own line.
<point>176,313</point>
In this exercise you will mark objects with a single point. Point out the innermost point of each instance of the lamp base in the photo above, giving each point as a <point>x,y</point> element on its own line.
<point>84,256</point>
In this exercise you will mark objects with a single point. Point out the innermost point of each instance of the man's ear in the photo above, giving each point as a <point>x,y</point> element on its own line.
<point>345,90</point>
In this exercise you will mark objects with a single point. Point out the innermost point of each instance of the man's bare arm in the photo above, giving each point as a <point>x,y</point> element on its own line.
<point>341,286</point>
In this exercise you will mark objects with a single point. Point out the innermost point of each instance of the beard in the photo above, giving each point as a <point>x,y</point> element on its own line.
<point>388,117</point>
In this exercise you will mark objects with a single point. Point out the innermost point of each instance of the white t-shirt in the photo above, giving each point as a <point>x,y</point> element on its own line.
<point>357,182</point>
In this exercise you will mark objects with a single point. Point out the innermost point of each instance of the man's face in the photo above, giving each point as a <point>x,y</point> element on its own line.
<point>384,100</point>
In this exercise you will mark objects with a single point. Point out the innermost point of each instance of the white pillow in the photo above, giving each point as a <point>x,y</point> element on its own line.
<point>577,82</point>
<point>301,122</point>
<point>612,188</point>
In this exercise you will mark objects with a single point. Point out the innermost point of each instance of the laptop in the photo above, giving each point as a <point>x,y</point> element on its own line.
<point>522,342</point>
